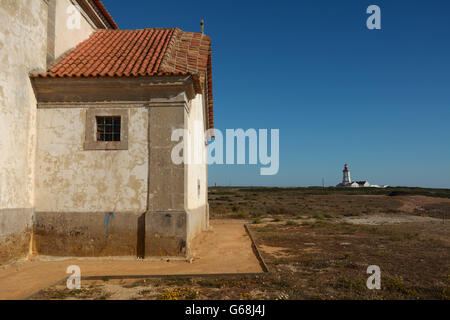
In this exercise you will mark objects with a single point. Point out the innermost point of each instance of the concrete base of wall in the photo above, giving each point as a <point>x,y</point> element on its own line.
<point>98,234</point>
<point>75,234</point>
<point>15,234</point>
<point>166,234</point>
<point>15,247</point>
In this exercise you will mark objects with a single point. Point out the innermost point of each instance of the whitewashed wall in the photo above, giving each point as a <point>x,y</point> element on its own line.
<point>196,202</point>
<point>66,37</point>
<point>23,41</point>
<point>70,179</point>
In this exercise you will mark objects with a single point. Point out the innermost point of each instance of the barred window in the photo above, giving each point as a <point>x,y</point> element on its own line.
<point>108,128</point>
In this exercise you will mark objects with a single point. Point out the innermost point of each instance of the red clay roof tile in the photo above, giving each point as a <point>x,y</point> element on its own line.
<point>146,52</point>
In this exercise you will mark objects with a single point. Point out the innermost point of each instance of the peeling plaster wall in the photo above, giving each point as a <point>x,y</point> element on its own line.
<point>196,200</point>
<point>166,222</point>
<point>70,179</point>
<point>23,39</point>
<point>67,37</point>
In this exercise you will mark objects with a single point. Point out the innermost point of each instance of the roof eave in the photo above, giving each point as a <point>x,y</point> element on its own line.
<point>73,90</point>
<point>106,14</point>
<point>96,13</point>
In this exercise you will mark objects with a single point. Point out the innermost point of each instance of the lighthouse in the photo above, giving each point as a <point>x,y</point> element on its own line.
<point>346,180</point>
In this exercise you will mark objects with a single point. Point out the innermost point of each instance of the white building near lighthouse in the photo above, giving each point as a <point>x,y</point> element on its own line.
<point>348,183</point>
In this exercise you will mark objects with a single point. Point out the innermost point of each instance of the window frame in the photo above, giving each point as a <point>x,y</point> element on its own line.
<point>91,142</point>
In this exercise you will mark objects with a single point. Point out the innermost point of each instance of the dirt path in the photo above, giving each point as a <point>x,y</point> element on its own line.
<point>225,249</point>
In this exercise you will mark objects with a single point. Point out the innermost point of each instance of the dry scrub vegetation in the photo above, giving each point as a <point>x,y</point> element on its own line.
<point>310,260</point>
<point>312,252</point>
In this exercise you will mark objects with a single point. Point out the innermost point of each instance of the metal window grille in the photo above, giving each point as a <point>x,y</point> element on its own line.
<point>108,128</point>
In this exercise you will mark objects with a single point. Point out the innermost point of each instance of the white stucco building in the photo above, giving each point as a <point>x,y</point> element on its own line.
<point>86,116</point>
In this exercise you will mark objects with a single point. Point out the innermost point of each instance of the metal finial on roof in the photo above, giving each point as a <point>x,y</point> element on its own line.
<point>202,24</point>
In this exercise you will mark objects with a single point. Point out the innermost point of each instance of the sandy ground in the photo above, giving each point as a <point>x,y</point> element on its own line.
<point>410,204</point>
<point>224,249</point>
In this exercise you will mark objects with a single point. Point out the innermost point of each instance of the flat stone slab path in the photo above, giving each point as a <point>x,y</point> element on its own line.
<point>226,249</point>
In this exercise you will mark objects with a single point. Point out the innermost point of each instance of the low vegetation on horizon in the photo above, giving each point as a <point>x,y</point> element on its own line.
<point>316,202</point>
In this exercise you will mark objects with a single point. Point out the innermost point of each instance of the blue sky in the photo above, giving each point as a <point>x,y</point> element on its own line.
<point>339,93</point>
